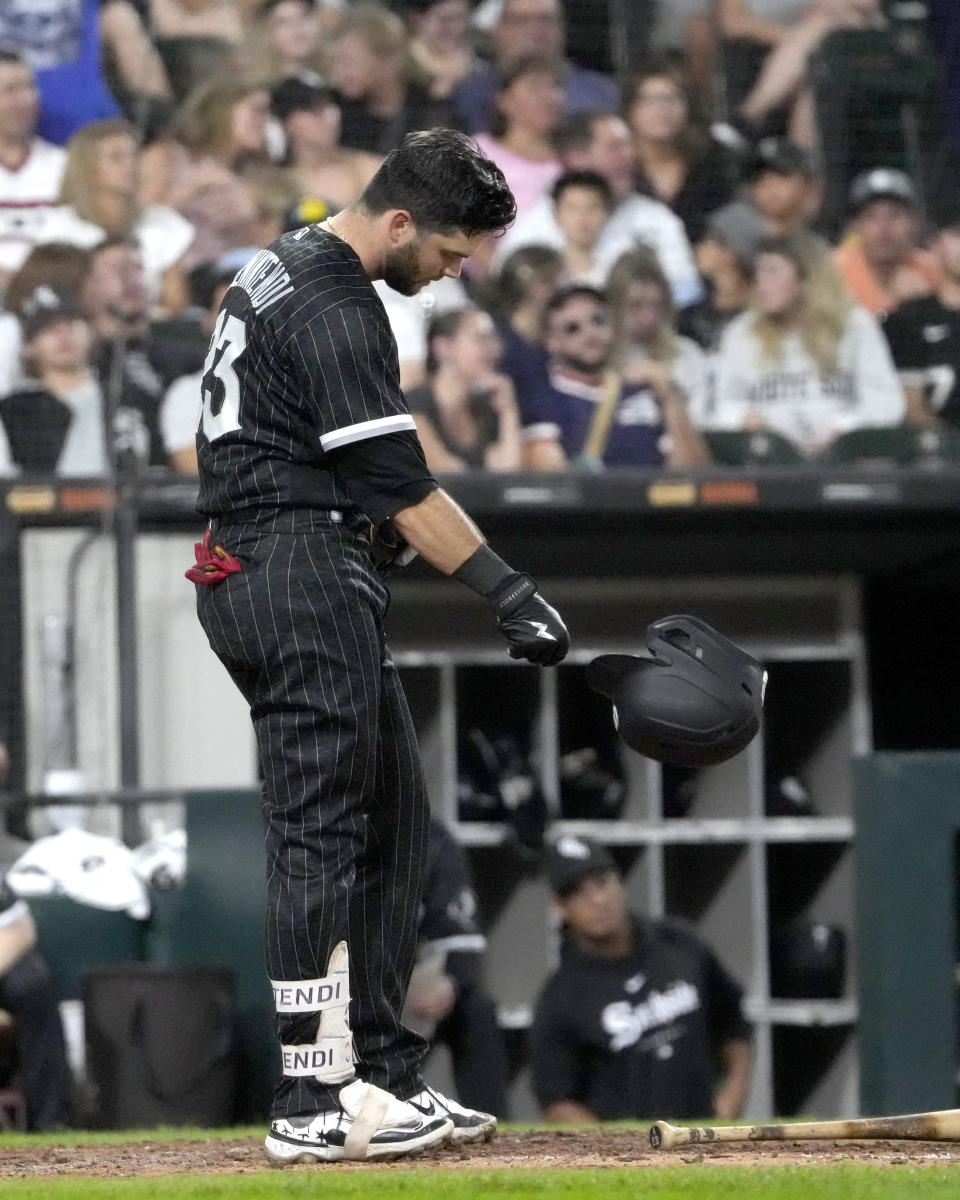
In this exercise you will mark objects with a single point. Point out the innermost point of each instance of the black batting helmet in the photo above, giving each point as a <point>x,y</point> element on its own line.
<point>696,699</point>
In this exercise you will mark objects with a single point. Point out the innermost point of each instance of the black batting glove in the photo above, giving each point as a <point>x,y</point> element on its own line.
<point>533,629</point>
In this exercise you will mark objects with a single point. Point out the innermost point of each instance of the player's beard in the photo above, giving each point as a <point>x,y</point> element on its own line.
<point>401,269</point>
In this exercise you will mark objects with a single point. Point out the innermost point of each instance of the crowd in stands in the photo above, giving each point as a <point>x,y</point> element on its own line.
<point>672,273</point>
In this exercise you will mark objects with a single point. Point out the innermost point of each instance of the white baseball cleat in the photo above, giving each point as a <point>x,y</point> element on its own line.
<point>469,1125</point>
<point>369,1123</point>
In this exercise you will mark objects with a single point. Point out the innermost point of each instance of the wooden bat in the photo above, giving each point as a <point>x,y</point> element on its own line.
<point>943,1126</point>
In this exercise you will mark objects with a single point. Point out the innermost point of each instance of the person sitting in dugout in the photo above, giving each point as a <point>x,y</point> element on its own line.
<point>640,1019</point>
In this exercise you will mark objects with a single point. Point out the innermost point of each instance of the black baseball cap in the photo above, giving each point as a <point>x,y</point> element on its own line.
<point>571,857</point>
<point>780,156</point>
<point>44,307</point>
<point>882,183</point>
<point>739,227</point>
<point>300,93</point>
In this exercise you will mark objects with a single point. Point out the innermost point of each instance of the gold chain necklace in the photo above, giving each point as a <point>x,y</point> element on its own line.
<point>334,230</point>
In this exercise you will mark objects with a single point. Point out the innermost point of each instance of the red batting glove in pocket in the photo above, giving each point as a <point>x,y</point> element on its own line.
<point>213,563</point>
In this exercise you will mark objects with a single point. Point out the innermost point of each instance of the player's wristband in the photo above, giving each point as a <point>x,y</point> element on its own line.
<point>503,588</point>
<point>483,571</point>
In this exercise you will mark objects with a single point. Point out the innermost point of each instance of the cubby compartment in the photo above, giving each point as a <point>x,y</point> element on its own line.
<point>710,887</point>
<point>814,1070</point>
<point>595,780</point>
<point>808,735</point>
<point>810,890</point>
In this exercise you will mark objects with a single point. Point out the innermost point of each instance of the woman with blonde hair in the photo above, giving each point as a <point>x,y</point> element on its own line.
<point>383,95</point>
<point>99,199</point>
<point>804,360</point>
<point>648,348</point>
<point>221,130</point>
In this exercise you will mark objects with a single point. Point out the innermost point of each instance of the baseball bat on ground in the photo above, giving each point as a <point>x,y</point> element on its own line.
<point>943,1126</point>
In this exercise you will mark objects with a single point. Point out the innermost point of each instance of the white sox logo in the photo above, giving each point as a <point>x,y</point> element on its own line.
<point>627,1023</point>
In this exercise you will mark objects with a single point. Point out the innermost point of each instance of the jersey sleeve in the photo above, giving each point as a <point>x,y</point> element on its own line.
<point>554,1053</point>
<point>725,1003</point>
<point>906,345</point>
<point>344,361</point>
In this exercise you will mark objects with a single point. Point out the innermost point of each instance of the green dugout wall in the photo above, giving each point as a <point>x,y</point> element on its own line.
<point>907,808</point>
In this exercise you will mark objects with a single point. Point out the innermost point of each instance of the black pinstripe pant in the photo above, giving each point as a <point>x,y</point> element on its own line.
<point>300,631</point>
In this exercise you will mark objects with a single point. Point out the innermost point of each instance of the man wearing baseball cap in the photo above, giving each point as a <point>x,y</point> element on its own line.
<point>880,259</point>
<point>782,189</point>
<point>640,1018</point>
<point>924,332</point>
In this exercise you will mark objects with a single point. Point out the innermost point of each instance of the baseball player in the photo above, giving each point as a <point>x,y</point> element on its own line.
<point>27,993</point>
<point>306,444</point>
<point>447,1001</point>
<point>640,1017</point>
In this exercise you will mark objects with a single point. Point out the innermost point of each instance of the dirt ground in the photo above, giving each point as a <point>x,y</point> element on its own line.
<point>535,1148</point>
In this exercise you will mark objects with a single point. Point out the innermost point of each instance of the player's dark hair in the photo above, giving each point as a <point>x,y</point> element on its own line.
<point>446,184</point>
<point>583,179</point>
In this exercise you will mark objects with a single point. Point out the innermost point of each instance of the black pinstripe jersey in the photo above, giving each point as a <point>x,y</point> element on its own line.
<point>301,362</point>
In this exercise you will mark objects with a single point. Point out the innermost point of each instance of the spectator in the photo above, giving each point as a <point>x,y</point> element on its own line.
<point>650,351</point>
<point>924,333</point>
<point>803,360</point>
<point>30,168</point>
<point>291,36</point>
<point>446,1000</point>
<point>724,256</point>
<point>133,367</point>
<point>279,203</point>
<point>441,42</point>
<point>880,259</point>
<point>196,39</point>
<point>588,415</point>
<point>56,423</point>
<point>194,19</point>
<point>99,199</point>
<point>220,130</point>
<point>640,1019</point>
<point>793,37</point>
<point>67,42</point>
<point>518,298</point>
<point>684,31</point>
<point>582,205</point>
<point>26,992</point>
<point>382,98</point>
<point>180,409</point>
<point>783,190</point>
<point>677,163</point>
<point>310,115</point>
<point>600,141</point>
<point>527,109</point>
<point>58,265</point>
<point>466,411</point>
<point>525,27</point>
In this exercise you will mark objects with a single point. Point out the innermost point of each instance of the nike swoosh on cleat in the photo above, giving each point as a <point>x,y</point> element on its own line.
<point>427,1110</point>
